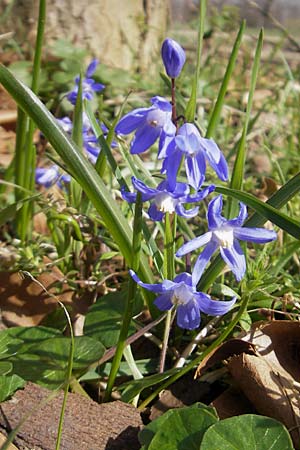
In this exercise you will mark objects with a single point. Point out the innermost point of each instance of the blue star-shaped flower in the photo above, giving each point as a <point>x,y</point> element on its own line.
<point>164,200</point>
<point>149,124</point>
<point>224,234</point>
<point>89,85</point>
<point>182,294</point>
<point>195,150</point>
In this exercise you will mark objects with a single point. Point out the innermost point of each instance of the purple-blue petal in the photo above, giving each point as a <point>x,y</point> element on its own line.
<point>156,287</point>
<point>172,166</point>
<point>257,235</point>
<point>215,158</point>
<point>130,197</point>
<point>184,277</point>
<point>144,189</point>
<point>202,261</point>
<point>186,213</point>
<point>194,172</point>
<point>188,315</point>
<point>163,302</point>
<point>155,214</point>
<point>214,213</point>
<point>98,87</point>
<point>132,121</point>
<point>194,244</point>
<point>235,259</point>
<point>145,136</point>
<point>213,307</point>
<point>240,219</point>
<point>198,196</point>
<point>161,103</point>
<point>91,67</point>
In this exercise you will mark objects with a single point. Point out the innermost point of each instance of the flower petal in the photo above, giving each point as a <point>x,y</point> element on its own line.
<point>194,244</point>
<point>194,171</point>
<point>155,214</point>
<point>200,195</point>
<point>184,277</point>
<point>144,189</point>
<point>163,302</point>
<point>235,259</point>
<point>172,165</point>
<point>188,315</point>
<point>215,158</point>
<point>240,219</point>
<point>202,261</point>
<point>156,287</point>
<point>132,120</point>
<point>214,216</point>
<point>130,197</point>
<point>145,136</point>
<point>161,103</point>
<point>213,307</point>
<point>187,213</point>
<point>91,68</point>
<point>257,235</point>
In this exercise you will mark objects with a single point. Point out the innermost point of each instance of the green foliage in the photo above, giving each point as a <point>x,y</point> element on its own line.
<point>198,427</point>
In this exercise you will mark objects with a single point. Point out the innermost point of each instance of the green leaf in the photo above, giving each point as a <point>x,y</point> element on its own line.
<point>247,432</point>
<point>183,429</point>
<point>8,385</point>
<point>103,321</point>
<point>5,367</point>
<point>46,362</point>
<point>216,113</point>
<point>239,163</point>
<point>147,434</point>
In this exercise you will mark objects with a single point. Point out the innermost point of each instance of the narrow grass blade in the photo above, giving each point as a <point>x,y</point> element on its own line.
<point>239,164</point>
<point>190,111</point>
<point>216,113</point>
<point>75,189</point>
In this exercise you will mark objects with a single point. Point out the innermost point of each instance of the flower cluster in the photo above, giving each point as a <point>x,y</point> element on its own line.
<point>184,146</point>
<point>47,177</point>
<point>89,85</point>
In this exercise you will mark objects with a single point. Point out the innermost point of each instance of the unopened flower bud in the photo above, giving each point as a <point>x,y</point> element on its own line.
<point>173,57</point>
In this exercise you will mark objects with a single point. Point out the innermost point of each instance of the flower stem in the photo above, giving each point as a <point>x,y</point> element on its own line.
<point>169,272</point>
<point>127,316</point>
<point>173,91</point>
<point>200,358</point>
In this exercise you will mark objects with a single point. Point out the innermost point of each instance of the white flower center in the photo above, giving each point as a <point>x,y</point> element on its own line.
<point>225,237</point>
<point>181,295</point>
<point>157,118</point>
<point>165,203</point>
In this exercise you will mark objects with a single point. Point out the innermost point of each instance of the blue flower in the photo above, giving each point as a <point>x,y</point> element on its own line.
<point>149,124</point>
<point>182,294</point>
<point>196,150</point>
<point>224,234</point>
<point>163,200</point>
<point>49,176</point>
<point>173,57</point>
<point>89,85</point>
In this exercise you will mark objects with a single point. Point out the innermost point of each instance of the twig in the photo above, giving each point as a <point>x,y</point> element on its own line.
<point>193,344</point>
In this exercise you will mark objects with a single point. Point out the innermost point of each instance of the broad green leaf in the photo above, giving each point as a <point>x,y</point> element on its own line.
<point>46,362</point>
<point>183,429</point>
<point>103,321</point>
<point>8,345</point>
<point>5,367</point>
<point>247,432</point>
<point>30,336</point>
<point>8,385</point>
<point>147,434</point>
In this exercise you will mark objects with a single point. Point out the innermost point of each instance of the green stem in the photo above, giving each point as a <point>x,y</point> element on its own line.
<point>169,273</point>
<point>68,380</point>
<point>127,316</point>
<point>200,358</point>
